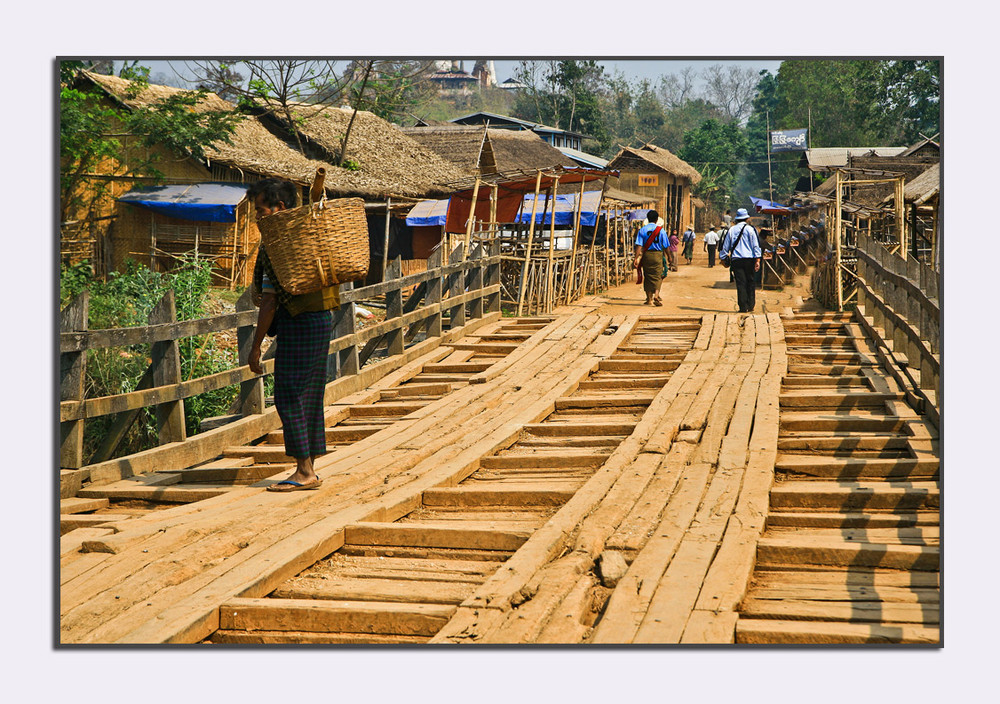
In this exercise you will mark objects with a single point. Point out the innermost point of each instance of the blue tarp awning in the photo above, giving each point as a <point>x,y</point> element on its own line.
<point>435,212</point>
<point>565,209</point>
<point>202,202</point>
<point>428,213</point>
<point>769,207</point>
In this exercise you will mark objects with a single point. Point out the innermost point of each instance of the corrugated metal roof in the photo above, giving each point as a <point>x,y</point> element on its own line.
<point>583,157</point>
<point>831,157</point>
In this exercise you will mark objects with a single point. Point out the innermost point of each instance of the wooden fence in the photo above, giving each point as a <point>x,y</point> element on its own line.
<point>418,304</point>
<point>899,300</point>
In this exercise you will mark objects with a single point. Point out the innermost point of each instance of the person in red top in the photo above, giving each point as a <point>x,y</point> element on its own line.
<point>672,251</point>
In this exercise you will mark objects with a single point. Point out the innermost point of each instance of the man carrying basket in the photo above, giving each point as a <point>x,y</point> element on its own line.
<point>303,324</point>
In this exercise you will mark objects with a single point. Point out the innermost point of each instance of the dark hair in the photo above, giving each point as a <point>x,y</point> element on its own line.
<point>728,211</point>
<point>652,216</point>
<point>275,190</point>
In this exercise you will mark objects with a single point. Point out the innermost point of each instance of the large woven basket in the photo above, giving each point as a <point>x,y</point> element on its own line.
<point>317,245</point>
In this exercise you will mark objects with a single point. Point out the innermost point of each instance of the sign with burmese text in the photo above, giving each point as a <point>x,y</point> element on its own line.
<point>789,141</point>
<point>649,180</point>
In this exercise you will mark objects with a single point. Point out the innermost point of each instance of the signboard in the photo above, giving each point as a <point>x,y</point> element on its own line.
<point>649,180</point>
<point>789,141</point>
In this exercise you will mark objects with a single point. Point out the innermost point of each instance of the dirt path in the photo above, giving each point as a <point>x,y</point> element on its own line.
<point>695,288</point>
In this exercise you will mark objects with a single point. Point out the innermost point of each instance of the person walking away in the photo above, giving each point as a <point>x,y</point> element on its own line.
<point>727,219</point>
<point>650,243</point>
<point>303,325</point>
<point>711,244</point>
<point>688,239</point>
<point>672,250</point>
<point>742,247</point>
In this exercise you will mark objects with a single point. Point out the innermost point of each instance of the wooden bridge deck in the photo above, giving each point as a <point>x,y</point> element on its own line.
<point>577,478</point>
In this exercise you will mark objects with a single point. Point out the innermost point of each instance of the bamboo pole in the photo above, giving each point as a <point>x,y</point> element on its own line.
<point>527,249</point>
<point>552,248</point>
<point>385,240</point>
<point>472,219</point>
<point>901,217</point>
<point>576,241</point>
<point>838,279</point>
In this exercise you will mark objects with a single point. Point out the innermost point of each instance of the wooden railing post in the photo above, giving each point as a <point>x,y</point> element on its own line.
<point>456,314</point>
<point>493,277</point>
<point>394,308</point>
<point>166,365</point>
<point>345,361</point>
<point>476,279</point>
<point>251,398</point>
<point>72,368</point>
<point>434,326</point>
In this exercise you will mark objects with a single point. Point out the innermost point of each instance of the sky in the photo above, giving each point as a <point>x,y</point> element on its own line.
<point>650,69</point>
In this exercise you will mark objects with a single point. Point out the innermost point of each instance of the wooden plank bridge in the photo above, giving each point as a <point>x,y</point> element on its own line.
<point>576,477</point>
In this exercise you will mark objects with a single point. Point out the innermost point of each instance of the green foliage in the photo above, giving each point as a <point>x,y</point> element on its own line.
<point>125,300</point>
<point>716,149</point>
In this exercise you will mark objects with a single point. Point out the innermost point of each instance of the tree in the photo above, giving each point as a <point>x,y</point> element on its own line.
<point>731,88</point>
<point>274,87</point>
<point>716,148</point>
<point>563,94</point>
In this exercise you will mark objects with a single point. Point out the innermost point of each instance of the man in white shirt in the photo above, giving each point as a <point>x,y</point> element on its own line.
<point>742,247</point>
<point>711,244</point>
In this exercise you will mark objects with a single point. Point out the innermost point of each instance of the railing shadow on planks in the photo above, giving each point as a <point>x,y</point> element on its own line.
<point>447,293</point>
<point>899,305</point>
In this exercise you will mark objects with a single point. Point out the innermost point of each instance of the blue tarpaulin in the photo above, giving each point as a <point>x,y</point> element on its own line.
<point>202,202</point>
<point>769,207</point>
<point>565,209</point>
<point>428,213</point>
<point>434,212</point>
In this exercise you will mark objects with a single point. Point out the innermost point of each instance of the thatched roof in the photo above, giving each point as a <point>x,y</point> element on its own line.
<point>629,159</point>
<point>924,187</point>
<point>513,150</point>
<point>390,162</point>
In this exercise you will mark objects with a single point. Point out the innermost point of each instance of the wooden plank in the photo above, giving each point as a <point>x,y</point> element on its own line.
<point>431,535</point>
<point>924,614</point>
<point>68,522</point>
<point>167,494</point>
<point>787,551</point>
<point>313,615</point>
<point>79,505</point>
<point>506,495</point>
<point>908,496</point>
<point>851,519</point>
<point>393,590</point>
<point>810,632</point>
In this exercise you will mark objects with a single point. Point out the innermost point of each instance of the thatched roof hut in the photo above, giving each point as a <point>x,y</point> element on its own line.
<point>390,162</point>
<point>657,173</point>
<point>641,159</point>
<point>512,150</point>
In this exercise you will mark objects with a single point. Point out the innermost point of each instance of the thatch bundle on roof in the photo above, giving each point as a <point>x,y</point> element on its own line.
<point>629,159</point>
<point>390,162</point>
<point>512,150</point>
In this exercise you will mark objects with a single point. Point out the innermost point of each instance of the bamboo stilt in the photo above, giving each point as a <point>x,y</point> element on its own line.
<point>527,250</point>
<point>552,249</point>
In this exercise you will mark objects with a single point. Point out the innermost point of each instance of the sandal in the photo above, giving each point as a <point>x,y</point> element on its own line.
<point>288,485</point>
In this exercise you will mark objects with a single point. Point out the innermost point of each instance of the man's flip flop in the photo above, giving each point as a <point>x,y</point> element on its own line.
<point>657,302</point>
<point>288,485</point>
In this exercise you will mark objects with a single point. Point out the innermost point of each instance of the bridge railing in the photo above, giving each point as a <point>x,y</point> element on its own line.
<point>415,304</point>
<point>901,298</point>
